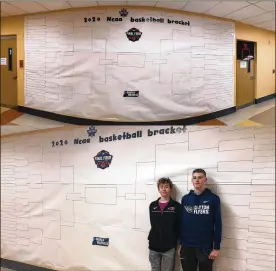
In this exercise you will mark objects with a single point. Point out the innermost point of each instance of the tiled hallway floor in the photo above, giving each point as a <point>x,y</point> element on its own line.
<point>265,118</point>
<point>254,115</point>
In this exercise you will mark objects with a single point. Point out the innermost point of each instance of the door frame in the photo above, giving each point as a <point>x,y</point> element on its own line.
<point>6,37</point>
<point>255,74</point>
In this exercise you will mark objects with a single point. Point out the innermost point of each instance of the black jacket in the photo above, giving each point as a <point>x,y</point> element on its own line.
<point>165,227</point>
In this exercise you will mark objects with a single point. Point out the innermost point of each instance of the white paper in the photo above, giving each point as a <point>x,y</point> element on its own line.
<point>85,71</point>
<point>3,61</point>
<point>243,64</point>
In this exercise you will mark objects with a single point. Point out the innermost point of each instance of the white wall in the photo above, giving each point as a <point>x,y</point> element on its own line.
<point>83,69</point>
<point>54,200</point>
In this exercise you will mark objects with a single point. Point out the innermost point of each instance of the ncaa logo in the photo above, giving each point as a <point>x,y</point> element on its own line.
<point>103,159</point>
<point>123,12</point>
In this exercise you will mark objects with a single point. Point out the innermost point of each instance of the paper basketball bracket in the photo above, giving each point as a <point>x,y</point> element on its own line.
<point>128,49</point>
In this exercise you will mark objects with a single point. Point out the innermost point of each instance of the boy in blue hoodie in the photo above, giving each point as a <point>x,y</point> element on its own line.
<point>201,226</point>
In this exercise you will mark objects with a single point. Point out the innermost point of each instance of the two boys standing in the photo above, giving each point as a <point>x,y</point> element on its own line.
<point>195,223</point>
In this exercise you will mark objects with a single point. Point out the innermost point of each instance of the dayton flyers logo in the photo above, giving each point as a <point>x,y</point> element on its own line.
<point>189,209</point>
<point>103,159</point>
<point>133,34</point>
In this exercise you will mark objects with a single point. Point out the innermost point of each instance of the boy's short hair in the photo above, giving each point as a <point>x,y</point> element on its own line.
<point>200,170</point>
<point>164,180</point>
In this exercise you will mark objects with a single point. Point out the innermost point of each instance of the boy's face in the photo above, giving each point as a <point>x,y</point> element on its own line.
<point>164,189</point>
<point>199,180</point>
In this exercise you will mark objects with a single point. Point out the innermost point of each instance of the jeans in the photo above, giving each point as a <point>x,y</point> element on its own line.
<point>165,260</point>
<point>193,257</point>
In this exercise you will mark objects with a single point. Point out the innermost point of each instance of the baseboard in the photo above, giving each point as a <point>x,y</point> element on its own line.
<point>82,121</point>
<point>265,98</point>
<point>21,266</point>
<point>245,105</point>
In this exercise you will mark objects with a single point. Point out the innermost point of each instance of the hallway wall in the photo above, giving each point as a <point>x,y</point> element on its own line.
<point>265,56</point>
<point>61,189</point>
<point>266,53</point>
<point>14,25</point>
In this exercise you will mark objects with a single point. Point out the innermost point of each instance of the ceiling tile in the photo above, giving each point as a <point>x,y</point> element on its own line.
<point>268,16</point>
<point>226,7</point>
<point>55,5</point>
<point>111,3</point>
<point>141,3</point>
<point>200,6</point>
<point>82,3</point>
<point>245,13</point>
<point>171,4</point>
<point>268,23</point>
<point>10,9</point>
<point>28,6</point>
<point>270,27</point>
<point>266,5</point>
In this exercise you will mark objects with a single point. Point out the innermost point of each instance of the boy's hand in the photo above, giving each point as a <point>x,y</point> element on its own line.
<point>179,250</point>
<point>213,255</point>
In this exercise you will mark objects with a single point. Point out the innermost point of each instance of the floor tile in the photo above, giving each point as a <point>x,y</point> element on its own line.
<point>265,118</point>
<point>248,123</point>
<point>9,116</point>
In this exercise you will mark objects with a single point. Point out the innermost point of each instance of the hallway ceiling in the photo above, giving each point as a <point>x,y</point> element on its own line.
<point>257,13</point>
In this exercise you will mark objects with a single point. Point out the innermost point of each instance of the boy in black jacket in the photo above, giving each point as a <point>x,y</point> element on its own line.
<point>165,215</point>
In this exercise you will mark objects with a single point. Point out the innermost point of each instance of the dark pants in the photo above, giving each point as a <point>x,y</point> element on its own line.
<point>192,257</point>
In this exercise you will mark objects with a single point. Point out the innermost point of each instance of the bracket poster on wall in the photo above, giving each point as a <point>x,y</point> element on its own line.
<point>128,64</point>
<point>60,211</point>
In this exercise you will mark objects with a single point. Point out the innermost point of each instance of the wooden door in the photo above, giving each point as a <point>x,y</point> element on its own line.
<point>8,71</point>
<point>245,90</point>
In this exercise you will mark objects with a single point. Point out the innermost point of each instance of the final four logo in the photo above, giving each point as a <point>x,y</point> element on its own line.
<point>103,159</point>
<point>133,34</point>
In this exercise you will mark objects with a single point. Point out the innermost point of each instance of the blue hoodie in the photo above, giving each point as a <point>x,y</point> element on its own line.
<point>201,224</point>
